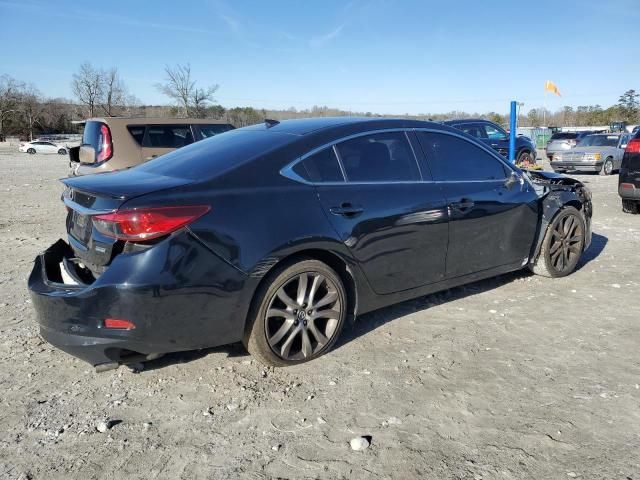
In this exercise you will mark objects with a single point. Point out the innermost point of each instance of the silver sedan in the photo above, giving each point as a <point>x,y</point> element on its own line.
<point>595,153</point>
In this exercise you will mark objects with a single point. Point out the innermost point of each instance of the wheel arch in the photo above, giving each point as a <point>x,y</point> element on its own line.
<point>344,269</point>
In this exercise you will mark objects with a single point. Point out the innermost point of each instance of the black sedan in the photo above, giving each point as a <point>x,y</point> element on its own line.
<point>276,234</point>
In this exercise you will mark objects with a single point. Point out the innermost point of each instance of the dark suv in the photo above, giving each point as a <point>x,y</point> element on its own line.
<point>497,138</point>
<point>629,178</point>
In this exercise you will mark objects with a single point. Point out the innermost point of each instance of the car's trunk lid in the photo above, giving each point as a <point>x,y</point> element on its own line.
<point>97,194</point>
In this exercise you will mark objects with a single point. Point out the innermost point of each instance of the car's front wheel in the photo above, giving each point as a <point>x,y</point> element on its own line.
<point>297,314</point>
<point>525,157</point>
<point>607,167</point>
<point>31,151</point>
<point>562,245</point>
<point>62,151</point>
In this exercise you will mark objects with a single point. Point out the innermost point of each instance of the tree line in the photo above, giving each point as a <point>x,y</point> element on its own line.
<point>25,112</point>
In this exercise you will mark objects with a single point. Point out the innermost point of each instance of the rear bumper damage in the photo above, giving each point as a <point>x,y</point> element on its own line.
<point>170,312</point>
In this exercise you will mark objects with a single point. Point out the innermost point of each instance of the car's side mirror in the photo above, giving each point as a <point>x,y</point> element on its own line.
<point>87,154</point>
<point>512,180</point>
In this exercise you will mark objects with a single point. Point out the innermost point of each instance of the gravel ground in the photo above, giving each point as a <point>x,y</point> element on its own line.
<point>514,377</point>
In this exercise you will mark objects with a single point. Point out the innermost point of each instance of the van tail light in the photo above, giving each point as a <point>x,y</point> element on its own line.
<point>627,186</point>
<point>633,146</point>
<point>106,146</point>
<point>141,224</point>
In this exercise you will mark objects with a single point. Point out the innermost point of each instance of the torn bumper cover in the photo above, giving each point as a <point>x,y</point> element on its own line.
<point>168,312</point>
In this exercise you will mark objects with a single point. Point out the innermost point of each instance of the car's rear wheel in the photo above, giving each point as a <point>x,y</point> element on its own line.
<point>62,151</point>
<point>31,151</point>
<point>297,314</point>
<point>631,206</point>
<point>607,167</point>
<point>562,245</point>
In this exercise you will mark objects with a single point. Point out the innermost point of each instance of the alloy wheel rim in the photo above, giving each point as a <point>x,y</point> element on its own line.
<point>566,244</point>
<point>303,316</point>
<point>608,167</point>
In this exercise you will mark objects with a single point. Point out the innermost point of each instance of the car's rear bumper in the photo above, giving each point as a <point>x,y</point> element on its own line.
<point>628,190</point>
<point>179,295</point>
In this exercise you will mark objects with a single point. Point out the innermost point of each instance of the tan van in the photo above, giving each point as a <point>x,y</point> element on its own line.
<point>116,143</point>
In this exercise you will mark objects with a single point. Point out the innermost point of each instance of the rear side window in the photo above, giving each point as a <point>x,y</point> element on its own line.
<point>320,167</point>
<point>455,159</point>
<point>167,136</point>
<point>380,157</point>
<point>206,131</point>
<point>137,132</point>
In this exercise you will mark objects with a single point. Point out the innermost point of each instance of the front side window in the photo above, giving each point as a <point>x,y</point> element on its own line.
<point>456,159</point>
<point>494,133</point>
<point>379,157</point>
<point>167,136</point>
<point>322,166</point>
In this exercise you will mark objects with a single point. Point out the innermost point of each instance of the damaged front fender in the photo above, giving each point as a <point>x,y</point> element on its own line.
<point>557,192</point>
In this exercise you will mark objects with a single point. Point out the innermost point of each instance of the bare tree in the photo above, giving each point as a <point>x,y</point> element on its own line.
<point>10,90</point>
<point>32,107</point>
<point>182,89</point>
<point>88,87</point>
<point>116,98</point>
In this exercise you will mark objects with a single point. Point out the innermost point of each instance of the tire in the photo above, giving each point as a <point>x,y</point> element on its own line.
<point>631,206</point>
<point>284,314</point>
<point>62,151</point>
<point>524,156</point>
<point>562,245</point>
<point>31,151</point>
<point>607,167</point>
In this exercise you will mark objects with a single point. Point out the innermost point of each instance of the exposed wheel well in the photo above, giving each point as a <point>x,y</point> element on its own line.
<point>332,260</point>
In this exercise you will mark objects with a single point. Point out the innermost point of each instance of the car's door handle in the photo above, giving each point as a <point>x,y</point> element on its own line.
<point>347,209</point>
<point>463,205</point>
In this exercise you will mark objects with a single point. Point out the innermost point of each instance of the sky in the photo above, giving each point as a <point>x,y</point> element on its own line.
<point>382,56</point>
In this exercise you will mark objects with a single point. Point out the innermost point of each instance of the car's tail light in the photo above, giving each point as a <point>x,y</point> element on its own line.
<point>118,324</point>
<point>140,224</point>
<point>627,186</point>
<point>633,146</point>
<point>106,147</point>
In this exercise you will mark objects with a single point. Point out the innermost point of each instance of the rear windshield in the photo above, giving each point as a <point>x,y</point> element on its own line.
<point>93,135</point>
<point>564,136</point>
<point>213,155</point>
<point>206,131</point>
<point>599,141</point>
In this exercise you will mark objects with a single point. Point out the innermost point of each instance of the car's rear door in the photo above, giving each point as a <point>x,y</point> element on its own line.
<point>393,221</point>
<point>491,223</point>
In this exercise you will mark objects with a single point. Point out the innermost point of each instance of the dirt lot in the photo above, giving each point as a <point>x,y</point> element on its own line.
<point>516,377</point>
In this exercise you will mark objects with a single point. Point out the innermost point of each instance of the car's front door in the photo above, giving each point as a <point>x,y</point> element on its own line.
<point>496,138</point>
<point>393,222</point>
<point>492,222</point>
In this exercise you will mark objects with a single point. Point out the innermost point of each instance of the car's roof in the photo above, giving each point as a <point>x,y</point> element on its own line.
<point>465,120</point>
<point>155,120</point>
<point>308,125</point>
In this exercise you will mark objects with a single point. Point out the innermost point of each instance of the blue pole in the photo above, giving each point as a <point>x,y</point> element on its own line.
<point>513,125</point>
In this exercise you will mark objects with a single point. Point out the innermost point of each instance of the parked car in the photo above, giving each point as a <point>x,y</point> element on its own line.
<point>42,146</point>
<point>276,234</point>
<point>562,141</point>
<point>497,138</point>
<point>116,143</point>
<point>595,153</point>
<point>629,178</point>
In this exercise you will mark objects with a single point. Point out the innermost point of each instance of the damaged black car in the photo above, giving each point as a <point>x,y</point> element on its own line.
<point>277,234</point>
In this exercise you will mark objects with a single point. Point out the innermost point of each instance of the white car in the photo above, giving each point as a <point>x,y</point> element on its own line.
<point>41,146</point>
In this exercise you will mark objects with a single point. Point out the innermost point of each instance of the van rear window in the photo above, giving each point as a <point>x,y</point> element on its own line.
<point>564,136</point>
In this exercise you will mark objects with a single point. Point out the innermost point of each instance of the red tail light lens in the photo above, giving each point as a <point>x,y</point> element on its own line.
<point>119,324</point>
<point>106,146</point>
<point>633,146</point>
<point>141,224</point>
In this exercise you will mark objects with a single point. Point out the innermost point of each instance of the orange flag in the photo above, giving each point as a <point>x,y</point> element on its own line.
<point>549,86</point>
